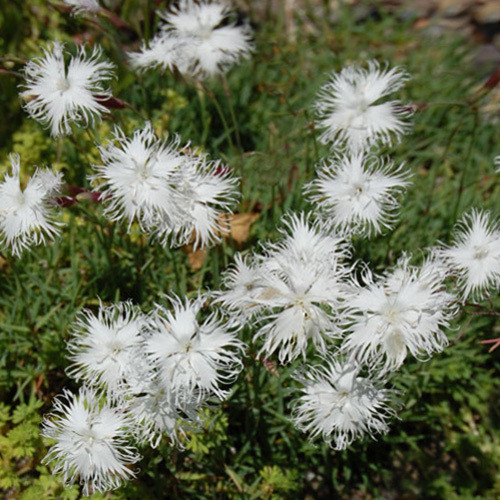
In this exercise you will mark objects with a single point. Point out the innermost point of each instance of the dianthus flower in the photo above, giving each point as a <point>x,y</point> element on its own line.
<point>175,196</point>
<point>103,347</point>
<point>198,38</point>
<point>403,311</point>
<point>475,255</point>
<point>189,356</point>
<point>156,412</point>
<point>293,292</point>
<point>357,194</point>
<point>206,190</point>
<point>136,178</point>
<point>350,113</point>
<point>27,217</point>
<point>91,442</point>
<point>341,406</point>
<point>57,94</point>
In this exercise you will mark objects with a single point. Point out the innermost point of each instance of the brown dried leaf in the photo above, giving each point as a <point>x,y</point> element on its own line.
<point>240,225</point>
<point>196,258</point>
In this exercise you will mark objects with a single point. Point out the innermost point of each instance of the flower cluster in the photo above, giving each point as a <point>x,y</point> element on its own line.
<point>357,189</point>
<point>197,38</point>
<point>302,291</point>
<point>145,376</point>
<point>173,194</point>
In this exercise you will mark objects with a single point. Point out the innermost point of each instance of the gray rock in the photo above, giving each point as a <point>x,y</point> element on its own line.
<point>489,13</point>
<point>452,8</point>
<point>486,59</point>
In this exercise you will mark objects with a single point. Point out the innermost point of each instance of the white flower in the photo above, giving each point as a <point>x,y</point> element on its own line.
<point>403,311</point>
<point>57,94</point>
<point>340,406</point>
<point>350,112</point>
<point>299,303</point>
<point>175,196</point>
<point>198,38</point>
<point>357,194</point>
<point>309,241</point>
<point>136,178</point>
<point>156,413</point>
<point>475,254</point>
<point>91,442</point>
<point>206,191</point>
<point>82,6</point>
<point>241,288</point>
<point>27,216</point>
<point>294,292</point>
<point>104,347</point>
<point>189,356</point>
<point>164,51</point>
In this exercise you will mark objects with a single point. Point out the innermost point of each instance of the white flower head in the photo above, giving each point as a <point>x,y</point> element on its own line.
<point>350,113</point>
<point>104,347</point>
<point>83,6</point>
<point>341,406</point>
<point>156,413</point>
<point>207,190</point>
<point>357,193</point>
<point>175,196</point>
<point>58,94</point>
<point>136,178</point>
<point>403,311</point>
<point>293,291</point>
<point>241,287</point>
<point>27,217</point>
<point>475,255</point>
<point>299,303</point>
<point>164,51</point>
<point>199,38</point>
<point>91,442</point>
<point>309,241</point>
<point>191,356</point>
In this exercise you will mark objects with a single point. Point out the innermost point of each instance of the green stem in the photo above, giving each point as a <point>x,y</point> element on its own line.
<point>229,97</point>
<point>221,115</point>
<point>203,109</point>
<point>465,168</point>
<point>443,157</point>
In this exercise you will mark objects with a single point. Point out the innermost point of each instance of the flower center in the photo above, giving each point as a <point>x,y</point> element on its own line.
<point>62,85</point>
<point>357,189</point>
<point>391,315</point>
<point>115,349</point>
<point>204,32</point>
<point>480,251</point>
<point>20,198</point>
<point>141,170</point>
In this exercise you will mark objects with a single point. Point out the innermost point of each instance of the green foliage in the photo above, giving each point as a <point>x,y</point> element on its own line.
<point>20,452</point>
<point>447,443</point>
